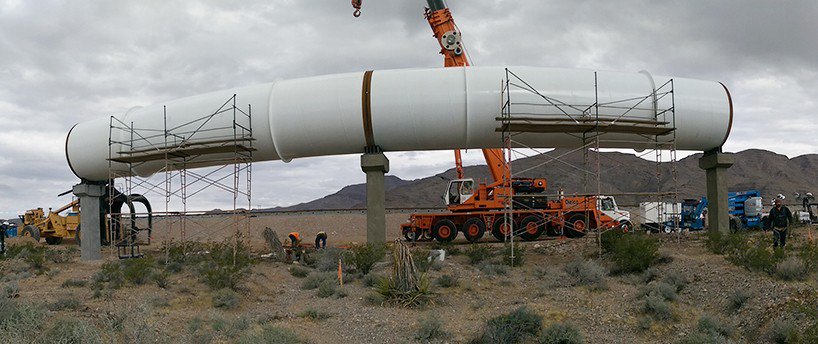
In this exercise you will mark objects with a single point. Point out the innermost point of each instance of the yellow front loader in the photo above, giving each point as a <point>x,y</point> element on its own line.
<point>53,227</point>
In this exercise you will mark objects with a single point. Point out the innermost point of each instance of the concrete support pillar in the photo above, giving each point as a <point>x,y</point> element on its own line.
<point>375,165</point>
<point>716,163</point>
<point>90,196</point>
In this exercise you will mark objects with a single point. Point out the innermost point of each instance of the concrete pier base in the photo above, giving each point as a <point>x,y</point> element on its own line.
<point>90,196</point>
<point>375,165</point>
<point>716,163</point>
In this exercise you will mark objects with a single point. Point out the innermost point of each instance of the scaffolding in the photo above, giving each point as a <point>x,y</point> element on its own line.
<point>527,111</point>
<point>222,140</point>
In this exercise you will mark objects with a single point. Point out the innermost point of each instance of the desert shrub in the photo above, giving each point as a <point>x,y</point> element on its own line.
<point>365,256</point>
<point>634,253</point>
<point>371,280</point>
<point>236,327</point>
<point>71,330</point>
<point>177,255</point>
<point>649,275</point>
<point>758,257</point>
<point>447,281</point>
<point>721,243</point>
<point>299,271</point>
<point>270,334</point>
<point>494,269</point>
<point>421,296</point>
<point>514,327</point>
<point>477,253</point>
<point>424,265</point>
<point>31,253</point>
<point>327,260</point>
<point>314,314</point>
<point>109,276</point>
<point>714,326</point>
<point>375,299</point>
<point>430,328</point>
<point>782,332</point>
<point>67,303</point>
<point>326,288</point>
<point>791,269</point>
<point>227,264</point>
<point>10,290</point>
<point>560,334</point>
<point>656,306</point>
<point>809,255</point>
<point>74,283</point>
<point>316,279</point>
<point>644,323</point>
<point>610,238</point>
<point>225,298</point>
<point>63,255</point>
<point>7,309</point>
<point>661,289</point>
<point>519,255</point>
<point>737,299</point>
<point>587,273</point>
<point>676,279</point>
<point>137,270</point>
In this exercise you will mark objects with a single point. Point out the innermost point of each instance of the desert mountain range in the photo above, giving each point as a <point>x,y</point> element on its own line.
<point>766,171</point>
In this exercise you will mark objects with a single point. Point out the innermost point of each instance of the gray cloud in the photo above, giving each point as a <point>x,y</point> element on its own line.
<point>65,62</point>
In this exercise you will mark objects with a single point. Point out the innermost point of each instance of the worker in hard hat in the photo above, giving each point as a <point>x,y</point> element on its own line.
<point>295,244</point>
<point>321,240</point>
<point>780,218</point>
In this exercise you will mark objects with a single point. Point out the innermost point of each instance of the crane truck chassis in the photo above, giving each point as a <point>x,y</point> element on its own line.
<point>532,214</point>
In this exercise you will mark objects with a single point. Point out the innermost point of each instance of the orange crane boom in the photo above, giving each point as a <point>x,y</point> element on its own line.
<point>454,53</point>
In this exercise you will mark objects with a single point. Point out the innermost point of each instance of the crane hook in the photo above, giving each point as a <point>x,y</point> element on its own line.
<point>357,5</point>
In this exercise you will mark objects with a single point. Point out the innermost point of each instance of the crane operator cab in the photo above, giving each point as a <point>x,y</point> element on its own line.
<point>459,191</point>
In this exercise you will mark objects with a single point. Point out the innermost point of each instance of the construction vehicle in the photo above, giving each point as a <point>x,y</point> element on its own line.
<point>745,209</point>
<point>692,216</point>
<point>477,207</point>
<point>809,209</point>
<point>54,227</point>
<point>653,216</point>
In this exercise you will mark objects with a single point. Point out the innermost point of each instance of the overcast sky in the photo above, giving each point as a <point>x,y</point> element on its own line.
<point>63,62</point>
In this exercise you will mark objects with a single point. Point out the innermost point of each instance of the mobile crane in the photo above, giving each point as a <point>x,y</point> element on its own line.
<point>477,207</point>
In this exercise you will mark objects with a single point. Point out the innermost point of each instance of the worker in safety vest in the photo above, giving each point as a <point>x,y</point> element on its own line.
<point>295,239</point>
<point>321,240</point>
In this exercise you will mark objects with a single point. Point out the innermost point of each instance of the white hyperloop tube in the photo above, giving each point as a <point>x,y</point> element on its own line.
<point>421,109</point>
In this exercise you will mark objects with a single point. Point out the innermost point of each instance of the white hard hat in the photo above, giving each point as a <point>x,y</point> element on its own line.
<point>780,196</point>
<point>6,223</point>
<point>809,194</point>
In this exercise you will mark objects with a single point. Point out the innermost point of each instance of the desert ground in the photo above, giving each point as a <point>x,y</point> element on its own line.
<point>562,281</point>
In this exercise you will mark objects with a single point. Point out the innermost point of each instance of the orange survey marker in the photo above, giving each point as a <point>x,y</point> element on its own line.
<point>340,274</point>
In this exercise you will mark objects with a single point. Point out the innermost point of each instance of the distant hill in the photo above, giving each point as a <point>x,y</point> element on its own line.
<point>765,171</point>
<point>351,196</point>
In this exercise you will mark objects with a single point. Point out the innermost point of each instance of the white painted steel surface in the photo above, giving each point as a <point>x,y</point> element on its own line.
<point>411,109</point>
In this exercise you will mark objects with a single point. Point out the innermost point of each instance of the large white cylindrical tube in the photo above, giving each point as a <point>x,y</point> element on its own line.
<point>412,109</point>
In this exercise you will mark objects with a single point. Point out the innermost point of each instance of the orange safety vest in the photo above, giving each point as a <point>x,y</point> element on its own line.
<point>296,235</point>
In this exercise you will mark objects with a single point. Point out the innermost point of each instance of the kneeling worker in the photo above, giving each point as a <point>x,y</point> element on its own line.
<point>321,240</point>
